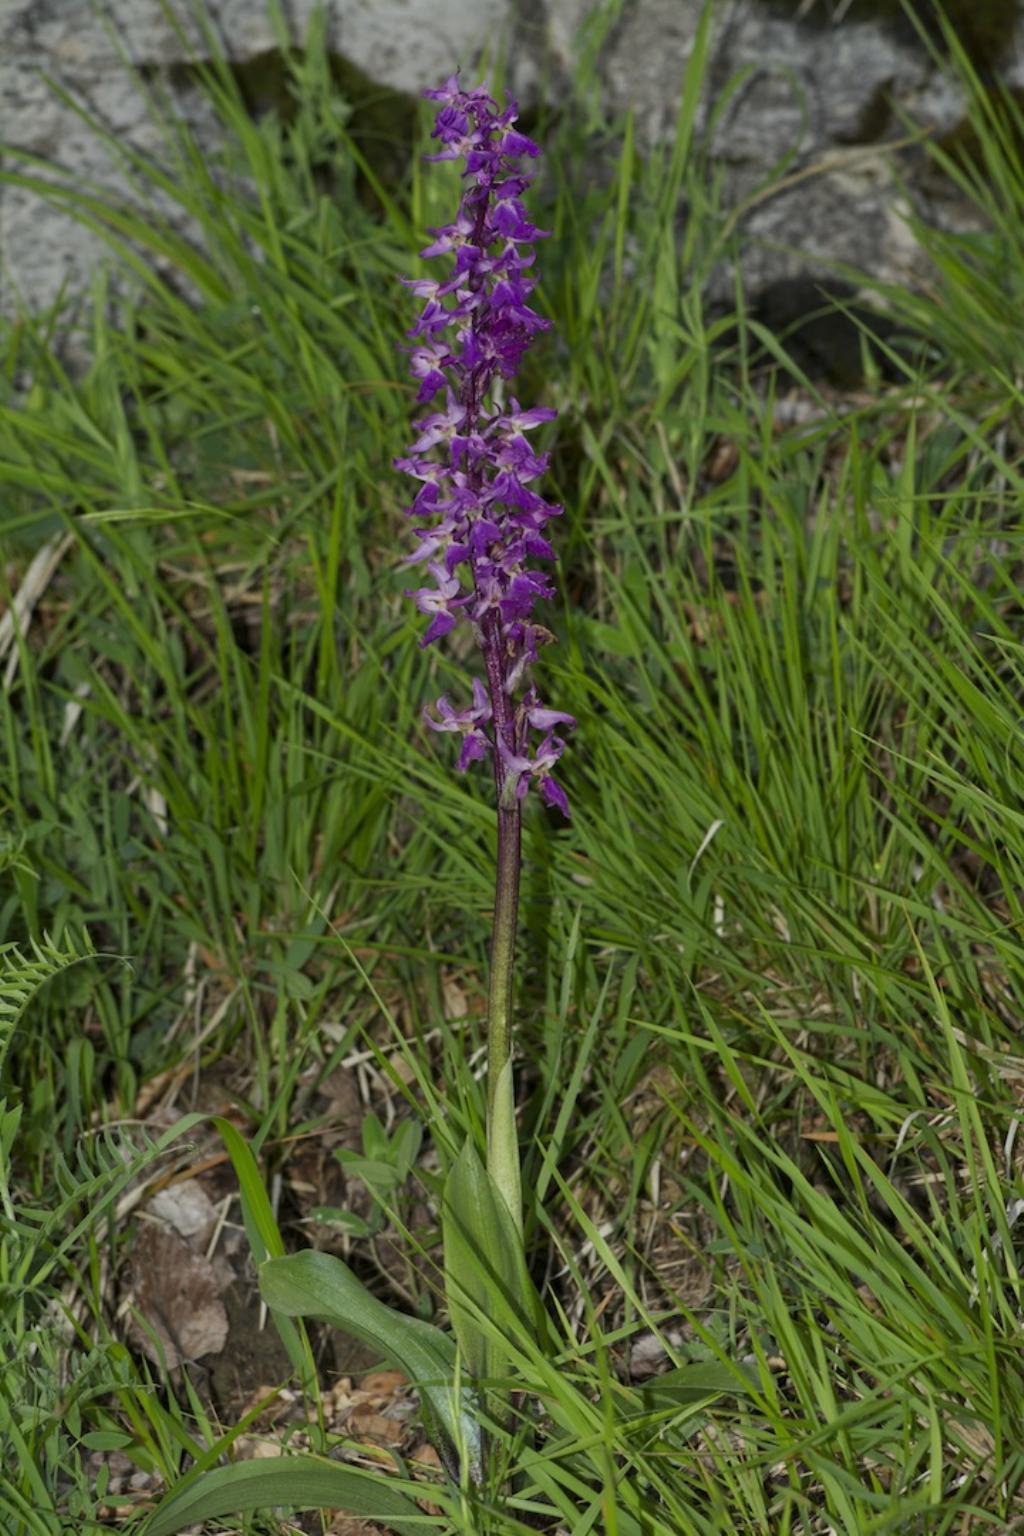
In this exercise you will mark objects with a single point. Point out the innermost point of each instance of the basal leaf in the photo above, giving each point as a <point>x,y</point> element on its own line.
<point>298,1482</point>
<point>690,1385</point>
<point>485,1267</point>
<point>312,1284</point>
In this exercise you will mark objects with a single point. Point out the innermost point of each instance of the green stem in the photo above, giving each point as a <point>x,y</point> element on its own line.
<point>502,1137</point>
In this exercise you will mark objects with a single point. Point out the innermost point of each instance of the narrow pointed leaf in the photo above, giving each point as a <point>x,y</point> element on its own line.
<point>265,1241</point>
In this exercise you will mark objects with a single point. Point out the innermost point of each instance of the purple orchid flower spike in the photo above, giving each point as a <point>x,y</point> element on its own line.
<point>472,456</point>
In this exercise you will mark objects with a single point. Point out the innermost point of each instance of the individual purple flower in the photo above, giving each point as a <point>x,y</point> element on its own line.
<point>521,769</point>
<point>483,524</point>
<point>440,427</point>
<point>518,420</point>
<point>438,601</point>
<point>467,722</point>
<point>544,719</point>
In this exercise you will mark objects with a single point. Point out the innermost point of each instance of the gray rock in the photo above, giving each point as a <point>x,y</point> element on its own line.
<point>90,49</point>
<point>812,105</point>
<point>800,126</point>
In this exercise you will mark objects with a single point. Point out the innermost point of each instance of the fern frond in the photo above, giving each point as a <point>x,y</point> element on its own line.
<point>22,975</point>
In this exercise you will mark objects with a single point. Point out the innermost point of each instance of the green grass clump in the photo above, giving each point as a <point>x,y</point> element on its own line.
<point>772,974</point>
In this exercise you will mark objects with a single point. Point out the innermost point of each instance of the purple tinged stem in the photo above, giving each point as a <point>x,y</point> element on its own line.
<point>506,887</point>
<point>510,817</point>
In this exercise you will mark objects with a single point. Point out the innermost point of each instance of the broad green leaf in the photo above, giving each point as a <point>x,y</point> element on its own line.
<point>382,1176</point>
<point>485,1267</point>
<point>690,1385</point>
<point>375,1137</point>
<point>106,1440</point>
<point>298,1482</point>
<point>503,1147</point>
<point>311,1284</point>
<point>406,1146</point>
<point>347,1221</point>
